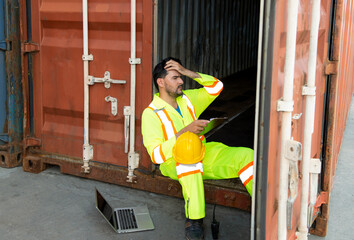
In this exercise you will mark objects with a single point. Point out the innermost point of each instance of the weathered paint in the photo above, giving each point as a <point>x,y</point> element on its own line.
<point>149,181</point>
<point>58,113</point>
<point>341,90</point>
<point>3,82</point>
<point>340,95</point>
<point>11,88</point>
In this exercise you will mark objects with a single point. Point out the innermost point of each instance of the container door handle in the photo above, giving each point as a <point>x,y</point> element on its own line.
<point>114,103</point>
<point>127,113</point>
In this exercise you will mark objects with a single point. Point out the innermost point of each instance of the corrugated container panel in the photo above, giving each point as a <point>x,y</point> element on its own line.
<point>300,78</point>
<point>11,101</point>
<point>214,37</point>
<point>342,85</point>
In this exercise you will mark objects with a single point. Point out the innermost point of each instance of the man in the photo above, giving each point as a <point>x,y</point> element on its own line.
<point>174,112</point>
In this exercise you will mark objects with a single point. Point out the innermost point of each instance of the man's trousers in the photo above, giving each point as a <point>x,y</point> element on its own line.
<point>220,162</point>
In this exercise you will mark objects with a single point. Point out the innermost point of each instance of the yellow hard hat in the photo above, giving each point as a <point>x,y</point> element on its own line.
<point>188,149</point>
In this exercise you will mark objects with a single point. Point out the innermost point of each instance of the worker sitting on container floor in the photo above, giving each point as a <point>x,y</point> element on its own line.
<point>174,112</point>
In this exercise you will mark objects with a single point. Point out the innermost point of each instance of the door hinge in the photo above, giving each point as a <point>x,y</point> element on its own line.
<point>331,67</point>
<point>32,142</point>
<point>29,47</point>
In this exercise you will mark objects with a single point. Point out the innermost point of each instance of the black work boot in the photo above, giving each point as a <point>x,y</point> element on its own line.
<point>194,229</point>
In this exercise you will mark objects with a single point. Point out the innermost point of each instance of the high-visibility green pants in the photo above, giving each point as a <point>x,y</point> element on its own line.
<point>220,162</point>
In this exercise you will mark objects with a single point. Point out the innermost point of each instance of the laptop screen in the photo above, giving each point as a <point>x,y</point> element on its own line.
<point>105,209</point>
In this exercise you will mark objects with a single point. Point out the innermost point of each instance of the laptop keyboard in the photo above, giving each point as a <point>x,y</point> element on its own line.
<point>126,219</point>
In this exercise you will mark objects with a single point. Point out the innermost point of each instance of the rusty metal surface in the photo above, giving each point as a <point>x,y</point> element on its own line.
<point>214,37</point>
<point>341,90</point>
<point>231,197</point>
<point>11,129</point>
<point>58,75</point>
<point>55,47</point>
<point>300,73</point>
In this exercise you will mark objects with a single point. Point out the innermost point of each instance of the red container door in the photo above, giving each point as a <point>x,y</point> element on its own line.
<point>59,79</point>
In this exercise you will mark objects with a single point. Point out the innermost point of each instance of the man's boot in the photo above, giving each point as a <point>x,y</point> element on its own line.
<point>194,229</point>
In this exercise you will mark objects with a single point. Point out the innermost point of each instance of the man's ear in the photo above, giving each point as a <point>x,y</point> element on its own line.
<point>160,82</point>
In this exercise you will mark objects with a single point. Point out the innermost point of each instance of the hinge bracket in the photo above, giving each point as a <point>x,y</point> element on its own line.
<point>315,166</point>
<point>285,106</point>
<point>87,57</point>
<point>308,91</point>
<point>29,47</point>
<point>134,61</point>
<point>331,67</point>
<point>32,142</point>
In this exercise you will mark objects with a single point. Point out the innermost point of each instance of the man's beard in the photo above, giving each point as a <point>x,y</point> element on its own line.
<point>176,93</point>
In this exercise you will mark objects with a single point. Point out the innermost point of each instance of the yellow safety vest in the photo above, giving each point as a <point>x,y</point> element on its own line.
<point>161,122</point>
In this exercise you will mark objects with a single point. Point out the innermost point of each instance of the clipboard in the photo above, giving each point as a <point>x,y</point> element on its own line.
<point>214,123</point>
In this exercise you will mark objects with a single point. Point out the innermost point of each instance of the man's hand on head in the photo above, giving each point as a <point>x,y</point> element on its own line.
<point>173,65</point>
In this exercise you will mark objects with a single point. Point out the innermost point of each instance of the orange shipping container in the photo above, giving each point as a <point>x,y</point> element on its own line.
<point>53,78</point>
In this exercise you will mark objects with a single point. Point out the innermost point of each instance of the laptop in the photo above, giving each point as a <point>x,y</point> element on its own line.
<point>124,220</point>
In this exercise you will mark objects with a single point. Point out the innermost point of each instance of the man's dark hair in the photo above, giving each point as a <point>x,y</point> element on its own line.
<point>159,70</point>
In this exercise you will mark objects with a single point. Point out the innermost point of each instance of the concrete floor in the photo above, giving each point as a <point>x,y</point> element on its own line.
<point>51,205</point>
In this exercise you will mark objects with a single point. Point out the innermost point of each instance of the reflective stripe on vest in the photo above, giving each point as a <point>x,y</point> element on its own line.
<point>246,173</point>
<point>188,169</point>
<point>157,155</point>
<point>215,89</point>
<point>167,124</point>
<point>191,110</point>
<point>190,107</point>
<point>168,130</point>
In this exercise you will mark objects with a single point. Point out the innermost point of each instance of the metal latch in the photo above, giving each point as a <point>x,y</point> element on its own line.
<point>87,152</point>
<point>127,112</point>
<point>114,104</point>
<point>134,61</point>
<point>106,80</point>
<point>133,163</point>
<point>293,154</point>
<point>315,170</point>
